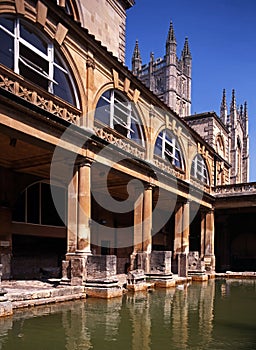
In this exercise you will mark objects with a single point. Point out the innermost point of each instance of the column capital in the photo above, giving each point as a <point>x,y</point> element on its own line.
<point>148,186</point>
<point>85,162</point>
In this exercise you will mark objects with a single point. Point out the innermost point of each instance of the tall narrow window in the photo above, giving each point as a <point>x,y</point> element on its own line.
<point>239,161</point>
<point>167,147</point>
<point>114,110</point>
<point>199,169</point>
<point>35,58</point>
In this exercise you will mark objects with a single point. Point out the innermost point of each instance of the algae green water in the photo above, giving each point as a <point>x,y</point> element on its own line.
<point>218,314</point>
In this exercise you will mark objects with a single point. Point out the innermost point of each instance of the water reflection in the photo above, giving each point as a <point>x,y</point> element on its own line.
<point>214,315</point>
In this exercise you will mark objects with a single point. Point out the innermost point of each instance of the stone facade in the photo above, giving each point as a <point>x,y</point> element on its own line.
<point>97,174</point>
<point>169,77</point>
<point>106,19</point>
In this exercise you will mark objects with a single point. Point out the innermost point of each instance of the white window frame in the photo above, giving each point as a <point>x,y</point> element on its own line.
<point>49,58</point>
<point>200,169</point>
<point>117,101</point>
<point>172,142</point>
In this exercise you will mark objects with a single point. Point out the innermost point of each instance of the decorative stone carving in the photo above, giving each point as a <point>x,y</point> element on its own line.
<point>65,112</point>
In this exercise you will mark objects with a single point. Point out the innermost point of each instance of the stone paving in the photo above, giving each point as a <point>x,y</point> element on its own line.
<point>35,292</point>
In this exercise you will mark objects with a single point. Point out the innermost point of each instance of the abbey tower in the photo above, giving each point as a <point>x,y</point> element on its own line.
<point>169,77</point>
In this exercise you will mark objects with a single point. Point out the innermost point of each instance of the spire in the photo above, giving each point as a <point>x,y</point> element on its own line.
<point>136,59</point>
<point>136,51</point>
<point>245,111</point>
<point>171,36</point>
<point>245,118</point>
<point>223,108</point>
<point>233,101</point>
<point>186,51</point>
<point>241,112</point>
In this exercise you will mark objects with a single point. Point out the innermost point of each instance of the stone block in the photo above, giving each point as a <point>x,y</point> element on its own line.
<point>101,266</point>
<point>161,262</point>
<point>78,271</point>
<point>182,265</point>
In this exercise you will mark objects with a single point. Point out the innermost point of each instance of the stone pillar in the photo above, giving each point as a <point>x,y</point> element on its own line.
<point>140,258</point>
<point>6,241</point>
<point>147,219</point>
<point>147,224</point>
<point>84,209</point>
<point>71,226</point>
<point>72,214</point>
<point>181,240</point>
<point>138,218</point>
<point>177,236</point>
<point>209,256</point>
<point>203,230</point>
<point>138,235</point>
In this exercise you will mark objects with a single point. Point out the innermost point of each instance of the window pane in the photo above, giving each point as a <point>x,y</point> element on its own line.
<point>30,63</point>
<point>7,42</point>
<point>33,204</point>
<point>49,214</point>
<point>19,210</point>
<point>33,39</point>
<point>6,50</point>
<point>64,88</point>
<point>103,111</point>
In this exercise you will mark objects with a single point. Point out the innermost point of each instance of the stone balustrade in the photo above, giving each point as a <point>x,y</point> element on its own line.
<point>236,189</point>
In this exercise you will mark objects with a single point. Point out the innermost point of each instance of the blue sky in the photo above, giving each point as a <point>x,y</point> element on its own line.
<point>222,40</point>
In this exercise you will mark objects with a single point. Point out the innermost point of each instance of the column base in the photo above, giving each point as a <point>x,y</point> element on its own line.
<point>104,289</point>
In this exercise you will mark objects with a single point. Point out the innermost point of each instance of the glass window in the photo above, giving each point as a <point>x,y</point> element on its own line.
<point>35,58</point>
<point>35,205</point>
<point>199,169</point>
<point>114,110</point>
<point>168,148</point>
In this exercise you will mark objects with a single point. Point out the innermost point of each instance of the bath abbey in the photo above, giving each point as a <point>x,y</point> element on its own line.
<point>104,171</point>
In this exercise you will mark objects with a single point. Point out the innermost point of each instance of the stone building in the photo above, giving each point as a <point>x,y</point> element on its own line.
<point>97,174</point>
<point>170,79</point>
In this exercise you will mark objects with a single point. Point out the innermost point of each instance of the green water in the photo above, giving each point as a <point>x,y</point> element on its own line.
<point>218,314</point>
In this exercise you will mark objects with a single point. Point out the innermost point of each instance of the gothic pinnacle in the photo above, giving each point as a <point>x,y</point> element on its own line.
<point>171,36</point>
<point>233,101</point>
<point>224,102</point>
<point>136,52</point>
<point>186,51</point>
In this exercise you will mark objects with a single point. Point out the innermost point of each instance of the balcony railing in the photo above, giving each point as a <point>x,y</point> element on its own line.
<point>15,84</point>
<point>236,189</point>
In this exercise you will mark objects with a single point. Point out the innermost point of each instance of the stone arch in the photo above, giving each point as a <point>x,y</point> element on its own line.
<point>32,62</point>
<point>200,169</point>
<point>220,145</point>
<point>128,122</point>
<point>181,150</point>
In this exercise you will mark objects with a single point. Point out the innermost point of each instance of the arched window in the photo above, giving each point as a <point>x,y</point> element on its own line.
<point>114,110</point>
<point>35,205</point>
<point>199,169</point>
<point>220,146</point>
<point>239,161</point>
<point>31,55</point>
<point>167,147</point>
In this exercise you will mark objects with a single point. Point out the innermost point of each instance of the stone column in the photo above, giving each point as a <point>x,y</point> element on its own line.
<point>181,240</point>
<point>203,230</point>
<point>71,226</point>
<point>6,241</point>
<point>84,209</point>
<point>83,246</point>
<point>147,218</point>
<point>72,214</point>
<point>209,256</point>
<point>137,234</point>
